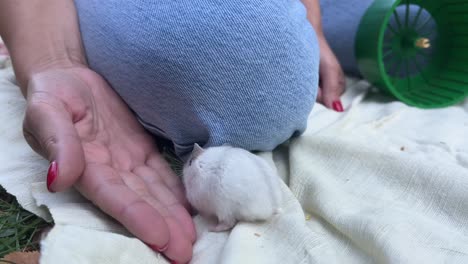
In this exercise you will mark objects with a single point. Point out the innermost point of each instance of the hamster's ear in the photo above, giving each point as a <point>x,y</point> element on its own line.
<point>197,151</point>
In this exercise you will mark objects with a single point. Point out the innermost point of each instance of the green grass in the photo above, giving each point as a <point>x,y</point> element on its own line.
<point>19,229</point>
<point>176,164</point>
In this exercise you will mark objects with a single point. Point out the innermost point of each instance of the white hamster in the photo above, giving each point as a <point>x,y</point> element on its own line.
<point>232,185</point>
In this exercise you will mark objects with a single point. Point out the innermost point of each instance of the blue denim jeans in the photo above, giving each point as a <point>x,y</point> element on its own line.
<point>241,72</point>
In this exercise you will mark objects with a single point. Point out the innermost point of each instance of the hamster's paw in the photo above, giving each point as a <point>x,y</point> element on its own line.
<point>223,226</point>
<point>278,211</point>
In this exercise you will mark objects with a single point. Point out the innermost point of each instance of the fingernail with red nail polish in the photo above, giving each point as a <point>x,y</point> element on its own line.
<point>159,249</point>
<point>173,262</point>
<point>51,175</point>
<point>337,106</point>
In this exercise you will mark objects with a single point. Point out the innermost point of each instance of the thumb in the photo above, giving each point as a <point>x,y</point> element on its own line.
<point>48,128</point>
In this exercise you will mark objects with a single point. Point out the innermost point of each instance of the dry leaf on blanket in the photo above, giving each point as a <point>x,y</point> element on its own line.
<point>23,257</point>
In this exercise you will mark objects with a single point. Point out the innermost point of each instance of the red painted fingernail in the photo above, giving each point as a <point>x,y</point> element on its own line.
<point>173,262</point>
<point>51,175</point>
<point>338,106</point>
<point>159,249</point>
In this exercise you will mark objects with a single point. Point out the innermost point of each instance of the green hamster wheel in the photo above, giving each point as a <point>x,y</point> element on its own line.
<point>416,50</point>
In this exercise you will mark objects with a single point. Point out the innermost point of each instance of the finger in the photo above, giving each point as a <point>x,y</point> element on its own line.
<point>319,95</point>
<point>107,190</point>
<point>180,249</point>
<point>333,85</point>
<point>165,202</point>
<point>170,179</point>
<point>3,50</point>
<point>162,193</point>
<point>147,220</point>
<point>49,129</point>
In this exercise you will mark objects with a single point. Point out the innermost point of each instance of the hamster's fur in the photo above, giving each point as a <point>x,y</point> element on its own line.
<point>232,185</point>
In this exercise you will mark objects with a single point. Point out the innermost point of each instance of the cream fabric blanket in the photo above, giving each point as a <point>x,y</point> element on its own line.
<point>380,183</point>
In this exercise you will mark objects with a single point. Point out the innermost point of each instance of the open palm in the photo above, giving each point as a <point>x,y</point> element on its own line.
<point>78,122</point>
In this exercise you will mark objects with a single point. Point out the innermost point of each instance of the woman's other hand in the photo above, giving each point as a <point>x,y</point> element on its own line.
<point>331,77</point>
<point>92,140</point>
<point>76,121</point>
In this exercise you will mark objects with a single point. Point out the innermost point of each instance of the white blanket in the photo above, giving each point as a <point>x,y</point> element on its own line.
<point>380,183</point>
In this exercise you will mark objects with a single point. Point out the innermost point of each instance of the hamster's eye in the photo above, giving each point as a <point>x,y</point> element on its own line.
<point>190,162</point>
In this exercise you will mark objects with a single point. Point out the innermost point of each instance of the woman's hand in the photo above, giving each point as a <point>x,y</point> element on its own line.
<point>94,143</point>
<point>331,77</point>
<point>76,121</point>
<point>3,49</point>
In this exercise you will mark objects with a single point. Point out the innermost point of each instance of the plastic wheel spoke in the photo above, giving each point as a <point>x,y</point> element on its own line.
<point>423,54</point>
<point>429,19</point>
<point>429,33</point>
<point>416,19</point>
<point>407,73</point>
<point>387,45</point>
<point>408,86</point>
<point>397,19</point>
<point>407,14</point>
<point>398,68</point>
<point>392,63</point>
<point>418,66</point>
<point>392,30</point>
<point>401,71</point>
<point>388,52</point>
